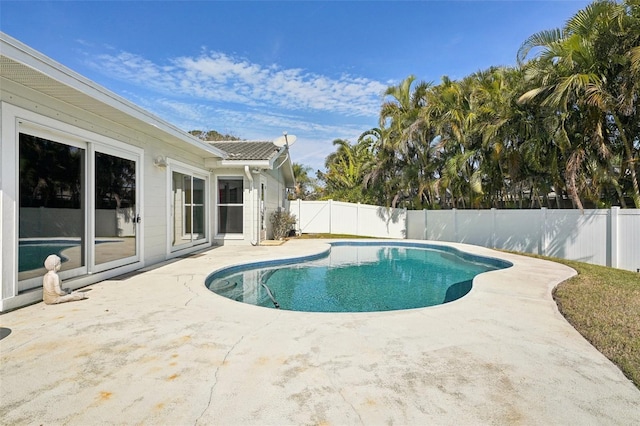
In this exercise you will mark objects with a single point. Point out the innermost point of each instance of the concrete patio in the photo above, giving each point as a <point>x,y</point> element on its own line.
<point>159,348</point>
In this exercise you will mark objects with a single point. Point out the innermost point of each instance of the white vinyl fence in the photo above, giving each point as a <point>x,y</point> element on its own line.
<point>335,217</point>
<point>608,237</point>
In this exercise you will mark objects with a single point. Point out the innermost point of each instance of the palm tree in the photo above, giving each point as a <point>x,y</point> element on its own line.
<point>450,112</point>
<point>586,73</point>
<point>305,185</point>
<point>565,121</point>
<point>346,169</point>
<point>402,171</point>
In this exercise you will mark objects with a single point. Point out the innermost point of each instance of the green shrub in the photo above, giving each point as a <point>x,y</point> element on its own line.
<point>283,223</point>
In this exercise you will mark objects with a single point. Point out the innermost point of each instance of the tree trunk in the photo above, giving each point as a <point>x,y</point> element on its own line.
<point>630,160</point>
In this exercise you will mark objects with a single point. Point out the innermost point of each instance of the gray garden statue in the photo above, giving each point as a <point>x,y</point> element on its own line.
<point>52,293</point>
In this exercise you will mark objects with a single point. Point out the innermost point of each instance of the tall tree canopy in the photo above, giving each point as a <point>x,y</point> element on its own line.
<point>213,136</point>
<point>306,187</point>
<point>561,129</point>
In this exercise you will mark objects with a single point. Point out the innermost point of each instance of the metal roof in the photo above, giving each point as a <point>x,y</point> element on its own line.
<point>27,67</point>
<point>256,154</point>
<point>243,150</point>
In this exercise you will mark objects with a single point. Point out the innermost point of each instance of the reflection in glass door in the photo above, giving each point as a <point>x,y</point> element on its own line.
<point>115,210</point>
<point>188,209</point>
<point>79,206</point>
<point>52,206</point>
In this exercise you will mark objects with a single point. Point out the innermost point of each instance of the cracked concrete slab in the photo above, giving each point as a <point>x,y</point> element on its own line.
<point>160,348</point>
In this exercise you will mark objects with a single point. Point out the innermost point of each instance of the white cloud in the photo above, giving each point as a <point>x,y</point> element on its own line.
<point>215,91</point>
<point>218,77</point>
<point>314,141</point>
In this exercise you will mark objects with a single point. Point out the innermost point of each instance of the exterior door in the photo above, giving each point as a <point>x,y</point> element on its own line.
<point>116,209</point>
<point>52,215</point>
<point>78,200</point>
<point>188,209</point>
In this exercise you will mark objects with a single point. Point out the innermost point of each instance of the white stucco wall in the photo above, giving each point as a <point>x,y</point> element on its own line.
<point>275,198</point>
<point>44,99</point>
<point>65,121</point>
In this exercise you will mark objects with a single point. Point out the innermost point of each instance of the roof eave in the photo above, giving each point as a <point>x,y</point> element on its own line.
<point>287,167</point>
<point>70,80</point>
<point>261,164</point>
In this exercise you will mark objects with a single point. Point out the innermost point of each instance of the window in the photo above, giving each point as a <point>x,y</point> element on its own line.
<point>230,206</point>
<point>189,219</point>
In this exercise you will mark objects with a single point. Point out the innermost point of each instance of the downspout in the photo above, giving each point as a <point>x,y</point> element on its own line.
<point>247,172</point>
<point>286,157</point>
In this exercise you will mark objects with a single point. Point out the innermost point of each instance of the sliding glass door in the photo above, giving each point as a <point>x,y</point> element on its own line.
<point>188,209</point>
<point>53,202</point>
<point>78,200</point>
<point>116,210</point>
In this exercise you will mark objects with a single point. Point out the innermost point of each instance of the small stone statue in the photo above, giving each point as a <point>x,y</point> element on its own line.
<point>52,293</point>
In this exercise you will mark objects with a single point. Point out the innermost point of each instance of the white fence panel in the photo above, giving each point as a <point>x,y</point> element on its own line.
<point>628,239</point>
<point>475,227</point>
<point>518,230</point>
<point>382,222</point>
<point>312,216</point>
<point>601,237</point>
<point>336,217</point>
<point>573,235</point>
<point>344,218</point>
<point>416,224</point>
<point>441,225</point>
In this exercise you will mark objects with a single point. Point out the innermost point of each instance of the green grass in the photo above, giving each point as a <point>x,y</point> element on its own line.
<point>603,304</point>
<point>329,236</point>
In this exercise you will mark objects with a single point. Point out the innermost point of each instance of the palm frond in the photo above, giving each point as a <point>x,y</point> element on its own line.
<point>635,60</point>
<point>543,39</point>
<point>532,94</point>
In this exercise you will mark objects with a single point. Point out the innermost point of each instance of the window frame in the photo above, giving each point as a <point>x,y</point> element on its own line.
<point>229,235</point>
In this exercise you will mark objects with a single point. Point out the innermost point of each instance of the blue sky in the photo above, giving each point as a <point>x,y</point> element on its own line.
<point>255,69</point>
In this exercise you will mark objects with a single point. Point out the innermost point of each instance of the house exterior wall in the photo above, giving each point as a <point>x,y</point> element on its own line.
<point>91,130</point>
<point>274,198</point>
<point>19,103</point>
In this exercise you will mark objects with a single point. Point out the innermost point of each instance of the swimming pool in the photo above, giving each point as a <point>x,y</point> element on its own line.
<point>356,277</point>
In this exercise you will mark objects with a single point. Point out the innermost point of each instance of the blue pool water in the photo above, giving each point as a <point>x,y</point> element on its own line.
<point>31,254</point>
<point>357,277</point>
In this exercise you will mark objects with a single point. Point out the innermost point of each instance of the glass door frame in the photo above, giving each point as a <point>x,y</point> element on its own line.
<point>127,155</point>
<point>262,228</point>
<point>91,143</point>
<point>184,169</point>
<point>50,134</point>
